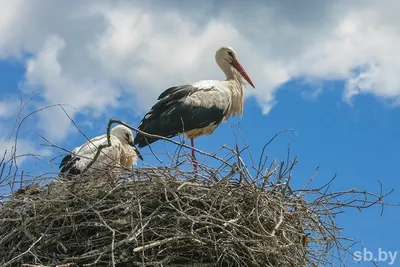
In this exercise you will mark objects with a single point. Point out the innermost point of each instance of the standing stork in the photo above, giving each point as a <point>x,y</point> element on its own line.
<point>198,108</point>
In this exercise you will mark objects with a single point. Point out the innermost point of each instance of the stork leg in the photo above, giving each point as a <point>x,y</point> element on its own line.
<point>194,160</point>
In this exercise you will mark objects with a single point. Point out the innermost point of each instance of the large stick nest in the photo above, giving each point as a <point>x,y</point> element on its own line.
<point>162,217</point>
<point>154,222</point>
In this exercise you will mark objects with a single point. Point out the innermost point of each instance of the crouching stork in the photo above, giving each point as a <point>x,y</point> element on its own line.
<point>198,108</point>
<point>120,154</point>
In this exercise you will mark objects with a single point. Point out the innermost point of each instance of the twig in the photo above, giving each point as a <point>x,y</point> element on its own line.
<point>156,244</point>
<point>26,252</point>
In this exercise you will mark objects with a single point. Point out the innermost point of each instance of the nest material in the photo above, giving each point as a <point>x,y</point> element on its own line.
<point>153,222</point>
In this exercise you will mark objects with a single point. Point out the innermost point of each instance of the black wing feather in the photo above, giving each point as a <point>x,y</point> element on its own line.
<point>170,117</point>
<point>65,160</point>
<point>67,165</point>
<point>177,90</point>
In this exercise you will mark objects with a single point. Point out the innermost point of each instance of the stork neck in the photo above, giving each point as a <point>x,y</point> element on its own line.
<point>237,95</point>
<point>226,68</point>
<point>229,73</point>
<point>237,79</point>
<point>232,75</point>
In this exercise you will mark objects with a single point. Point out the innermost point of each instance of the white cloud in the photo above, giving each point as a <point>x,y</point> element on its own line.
<point>87,54</point>
<point>45,74</point>
<point>361,51</point>
<point>9,108</point>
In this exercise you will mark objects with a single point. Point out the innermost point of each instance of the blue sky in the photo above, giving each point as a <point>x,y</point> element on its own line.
<point>328,72</point>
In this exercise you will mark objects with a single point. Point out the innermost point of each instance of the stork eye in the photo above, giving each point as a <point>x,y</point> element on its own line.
<point>230,53</point>
<point>127,135</point>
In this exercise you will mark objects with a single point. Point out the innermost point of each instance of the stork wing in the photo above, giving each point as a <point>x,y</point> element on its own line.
<point>183,108</point>
<point>96,141</point>
<point>177,91</point>
<point>80,157</point>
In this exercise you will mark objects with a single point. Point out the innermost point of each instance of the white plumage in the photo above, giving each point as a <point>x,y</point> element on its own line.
<point>121,154</point>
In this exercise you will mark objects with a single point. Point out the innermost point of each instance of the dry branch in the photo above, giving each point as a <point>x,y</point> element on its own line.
<point>168,221</point>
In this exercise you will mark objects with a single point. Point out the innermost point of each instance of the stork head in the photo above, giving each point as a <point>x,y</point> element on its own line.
<point>226,58</point>
<point>125,135</point>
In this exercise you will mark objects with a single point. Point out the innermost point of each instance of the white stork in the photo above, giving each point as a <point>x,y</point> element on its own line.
<point>198,108</point>
<point>121,153</point>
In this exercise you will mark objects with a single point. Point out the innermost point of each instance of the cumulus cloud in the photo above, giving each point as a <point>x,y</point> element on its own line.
<point>89,53</point>
<point>45,74</point>
<point>9,108</point>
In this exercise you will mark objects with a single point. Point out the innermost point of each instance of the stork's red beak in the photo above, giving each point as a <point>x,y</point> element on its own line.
<point>242,71</point>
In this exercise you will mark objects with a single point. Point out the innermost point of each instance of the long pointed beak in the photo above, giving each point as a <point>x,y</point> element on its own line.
<point>242,71</point>
<point>139,155</point>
